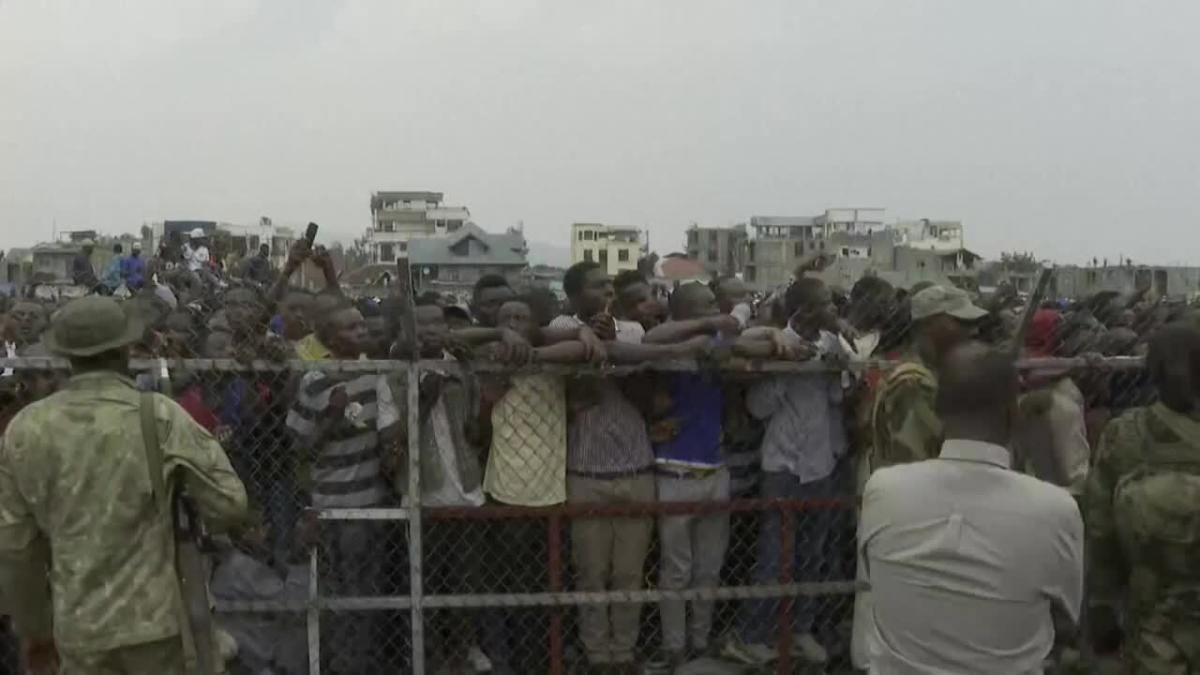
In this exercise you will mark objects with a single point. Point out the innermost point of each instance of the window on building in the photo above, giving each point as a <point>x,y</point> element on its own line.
<point>712,236</point>
<point>623,255</point>
<point>403,246</point>
<point>712,255</point>
<point>749,274</point>
<point>386,253</point>
<point>407,203</point>
<point>798,249</point>
<point>845,252</point>
<point>604,257</point>
<point>588,235</point>
<point>587,255</point>
<point>579,235</point>
<point>387,226</point>
<point>750,252</point>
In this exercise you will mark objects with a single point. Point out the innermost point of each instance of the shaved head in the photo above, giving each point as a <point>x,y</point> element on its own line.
<point>1174,365</point>
<point>977,393</point>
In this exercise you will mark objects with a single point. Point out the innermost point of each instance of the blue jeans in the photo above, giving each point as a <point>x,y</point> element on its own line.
<point>808,563</point>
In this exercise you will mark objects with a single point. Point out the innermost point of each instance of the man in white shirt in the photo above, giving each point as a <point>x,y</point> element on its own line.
<point>195,252</point>
<point>966,557</point>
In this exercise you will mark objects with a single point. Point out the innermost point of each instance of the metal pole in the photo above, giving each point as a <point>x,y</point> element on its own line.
<point>415,580</point>
<point>787,555</point>
<point>313,617</point>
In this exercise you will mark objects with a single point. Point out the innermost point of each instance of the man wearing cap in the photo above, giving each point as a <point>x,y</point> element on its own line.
<point>82,272</point>
<point>75,490</point>
<point>133,268</point>
<point>904,424</point>
<point>195,252</point>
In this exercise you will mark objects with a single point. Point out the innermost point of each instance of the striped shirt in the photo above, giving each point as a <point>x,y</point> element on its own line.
<point>345,452</point>
<point>608,438</point>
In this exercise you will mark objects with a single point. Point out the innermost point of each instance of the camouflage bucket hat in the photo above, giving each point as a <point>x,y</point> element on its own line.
<point>93,325</point>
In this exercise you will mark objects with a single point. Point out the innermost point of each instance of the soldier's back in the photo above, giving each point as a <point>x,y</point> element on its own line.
<point>79,458</point>
<point>1156,514</point>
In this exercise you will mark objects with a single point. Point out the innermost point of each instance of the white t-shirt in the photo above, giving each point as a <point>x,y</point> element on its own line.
<point>196,257</point>
<point>450,492</point>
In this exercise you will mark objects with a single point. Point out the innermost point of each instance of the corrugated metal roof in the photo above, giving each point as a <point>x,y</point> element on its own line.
<point>495,249</point>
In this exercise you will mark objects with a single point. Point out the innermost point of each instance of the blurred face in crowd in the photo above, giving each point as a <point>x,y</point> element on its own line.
<point>596,294</point>
<point>456,318</point>
<point>244,312</point>
<point>294,311</point>
<point>431,330</point>
<point>694,301</point>
<point>377,336</point>
<point>731,293</point>
<point>346,335</point>
<point>27,321</point>
<point>218,345</point>
<point>517,317</point>
<point>942,333</point>
<point>635,303</point>
<point>178,336</point>
<point>486,304</point>
<point>812,309</point>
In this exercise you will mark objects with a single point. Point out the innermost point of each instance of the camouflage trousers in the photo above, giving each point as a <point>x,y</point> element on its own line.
<point>1164,647</point>
<point>163,657</point>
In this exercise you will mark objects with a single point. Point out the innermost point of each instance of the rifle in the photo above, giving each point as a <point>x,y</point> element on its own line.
<point>191,542</point>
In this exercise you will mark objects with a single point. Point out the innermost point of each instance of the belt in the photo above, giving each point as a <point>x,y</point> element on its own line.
<point>692,472</point>
<point>609,475</point>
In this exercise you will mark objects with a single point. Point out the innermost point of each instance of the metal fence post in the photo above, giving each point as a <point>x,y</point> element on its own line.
<point>415,579</point>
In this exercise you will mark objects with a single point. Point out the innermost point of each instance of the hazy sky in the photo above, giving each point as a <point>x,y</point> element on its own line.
<point>1067,127</point>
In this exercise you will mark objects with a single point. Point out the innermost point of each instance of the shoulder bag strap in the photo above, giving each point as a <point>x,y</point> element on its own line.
<point>166,507</point>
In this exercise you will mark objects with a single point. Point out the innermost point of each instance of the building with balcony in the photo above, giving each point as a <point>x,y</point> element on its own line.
<point>722,250</point>
<point>615,248</point>
<point>397,218</point>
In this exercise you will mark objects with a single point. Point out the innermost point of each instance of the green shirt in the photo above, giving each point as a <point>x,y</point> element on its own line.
<point>79,524</point>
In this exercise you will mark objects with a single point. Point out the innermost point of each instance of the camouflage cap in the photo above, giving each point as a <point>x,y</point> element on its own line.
<point>945,300</point>
<point>93,325</point>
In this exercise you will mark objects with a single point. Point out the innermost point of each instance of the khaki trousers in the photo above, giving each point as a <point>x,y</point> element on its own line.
<point>610,554</point>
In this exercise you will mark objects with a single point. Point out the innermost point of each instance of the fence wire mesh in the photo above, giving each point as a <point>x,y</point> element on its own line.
<point>461,515</point>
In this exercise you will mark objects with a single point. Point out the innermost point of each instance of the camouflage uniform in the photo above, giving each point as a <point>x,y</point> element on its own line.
<point>85,552</point>
<point>1143,524</point>
<point>904,424</point>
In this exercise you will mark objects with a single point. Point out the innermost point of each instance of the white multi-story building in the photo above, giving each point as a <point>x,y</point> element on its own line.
<point>615,248</point>
<point>398,217</point>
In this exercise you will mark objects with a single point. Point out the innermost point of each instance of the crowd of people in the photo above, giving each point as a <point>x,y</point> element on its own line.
<point>971,474</point>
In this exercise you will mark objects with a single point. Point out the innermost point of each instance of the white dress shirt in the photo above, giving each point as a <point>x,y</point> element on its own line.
<point>965,557</point>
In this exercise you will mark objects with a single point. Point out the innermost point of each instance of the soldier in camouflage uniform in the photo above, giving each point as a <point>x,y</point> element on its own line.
<point>1143,519</point>
<point>86,555</point>
<point>904,425</point>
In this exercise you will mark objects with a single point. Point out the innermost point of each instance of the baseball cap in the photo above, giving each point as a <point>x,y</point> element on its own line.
<point>942,300</point>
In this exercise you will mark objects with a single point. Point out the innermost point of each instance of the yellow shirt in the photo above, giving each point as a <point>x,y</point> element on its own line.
<point>309,348</point>
<point>527,465</point>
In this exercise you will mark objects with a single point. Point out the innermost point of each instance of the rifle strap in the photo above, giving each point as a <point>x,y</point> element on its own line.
<point>166,507</point>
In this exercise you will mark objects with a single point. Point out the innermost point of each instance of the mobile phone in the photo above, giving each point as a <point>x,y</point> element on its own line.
<point>310,234</point>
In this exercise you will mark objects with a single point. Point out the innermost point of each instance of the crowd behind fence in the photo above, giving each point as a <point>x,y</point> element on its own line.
<point>492,586</point>
<point>485,508</point>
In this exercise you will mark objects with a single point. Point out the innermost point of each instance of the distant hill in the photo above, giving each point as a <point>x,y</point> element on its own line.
<point>541,253</point>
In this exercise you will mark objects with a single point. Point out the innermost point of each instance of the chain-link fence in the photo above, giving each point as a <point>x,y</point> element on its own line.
<point>491,549</point>
<point>526,507</point>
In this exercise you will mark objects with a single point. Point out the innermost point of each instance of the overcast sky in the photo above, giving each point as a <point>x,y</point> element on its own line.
<point>1068,128</point>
